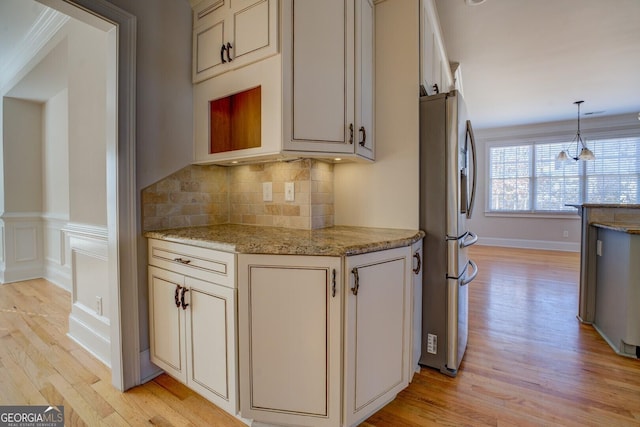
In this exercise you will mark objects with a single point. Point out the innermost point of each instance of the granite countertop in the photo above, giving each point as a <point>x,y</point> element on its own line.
<point>250,239</point>
<point>625,227</point>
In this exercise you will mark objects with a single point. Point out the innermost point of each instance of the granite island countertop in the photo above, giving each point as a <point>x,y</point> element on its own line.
<point>251,239</point>
<point>630,228</point>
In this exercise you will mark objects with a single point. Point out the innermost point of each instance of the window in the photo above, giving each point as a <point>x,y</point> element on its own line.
<point>527,178</point>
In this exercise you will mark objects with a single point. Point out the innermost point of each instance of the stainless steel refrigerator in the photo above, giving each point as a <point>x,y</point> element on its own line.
<point>447,194</point>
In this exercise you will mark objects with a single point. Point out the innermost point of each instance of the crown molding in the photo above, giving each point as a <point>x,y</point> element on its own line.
<point>46,25</point>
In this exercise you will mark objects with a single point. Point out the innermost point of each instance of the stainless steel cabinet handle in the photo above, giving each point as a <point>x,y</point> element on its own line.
<point>356,284</point>
<point>419,265</point>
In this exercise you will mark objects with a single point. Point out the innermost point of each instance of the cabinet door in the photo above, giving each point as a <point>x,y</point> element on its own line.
<point>364,87</point>
<point>166,322</point>
<point>210,33</point>
<point>318,76</point>
<point>416,298</point>
<point>377,330</point>
<point>290,336</point>
<point>231,34</point>
<point>211,342</point>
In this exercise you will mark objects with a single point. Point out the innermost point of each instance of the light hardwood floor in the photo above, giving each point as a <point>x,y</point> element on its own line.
<point>528,362</point>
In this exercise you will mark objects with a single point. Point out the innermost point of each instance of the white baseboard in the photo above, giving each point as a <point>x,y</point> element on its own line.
<point>59,275</point>
<point>19,274</point>
<point>91,332</point>
<point>530,244</point>
<point>148,370</point>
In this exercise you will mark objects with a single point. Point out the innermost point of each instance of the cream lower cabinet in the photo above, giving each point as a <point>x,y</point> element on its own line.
<point>192,321</point>
<point>377,339</point>
<point>290,339</point>
<point>314,352</point>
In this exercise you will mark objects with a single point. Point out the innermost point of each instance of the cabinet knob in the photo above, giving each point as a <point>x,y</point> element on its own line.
<point>364,136</point>
<point>419,263</point>
<point>222,51</point>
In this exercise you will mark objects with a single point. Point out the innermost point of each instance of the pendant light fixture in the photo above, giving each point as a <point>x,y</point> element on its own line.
<point>584,153</point>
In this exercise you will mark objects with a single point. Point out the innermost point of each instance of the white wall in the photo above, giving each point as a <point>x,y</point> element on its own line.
<point>87,116</point>
<point>55,165</point>
<point>164,112</point>
<point>385,194</point>
<point>23,156</point>
<point>537,232</point>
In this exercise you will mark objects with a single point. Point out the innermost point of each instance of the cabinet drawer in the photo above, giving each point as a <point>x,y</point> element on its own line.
<point>201,263</point>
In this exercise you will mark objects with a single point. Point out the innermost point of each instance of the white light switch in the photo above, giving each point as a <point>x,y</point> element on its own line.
<point>267,192</point>
<point>599,247</point>
<point>289,191</point>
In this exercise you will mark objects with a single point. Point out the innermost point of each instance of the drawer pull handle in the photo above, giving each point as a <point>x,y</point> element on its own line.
<point>364,136</point>
<point>333,285</point>
<point>419,266</point>
<point>184,305</point>
<point>356,283</point>
<point>177,296</point>
<point>182,261</point>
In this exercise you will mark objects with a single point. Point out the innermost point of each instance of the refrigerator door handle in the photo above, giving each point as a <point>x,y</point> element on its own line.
<point>470,279</point>
<point>475,169</point>
<point>470,239</point>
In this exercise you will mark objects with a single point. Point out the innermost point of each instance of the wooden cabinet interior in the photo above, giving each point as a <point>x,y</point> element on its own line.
<point>235,121</point>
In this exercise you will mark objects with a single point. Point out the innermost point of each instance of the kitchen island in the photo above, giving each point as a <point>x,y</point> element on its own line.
<point>610,273</point>
<point>287,327</point>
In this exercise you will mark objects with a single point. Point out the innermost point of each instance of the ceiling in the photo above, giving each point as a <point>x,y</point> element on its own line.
<point>522,61</point>
<point>527,61</point>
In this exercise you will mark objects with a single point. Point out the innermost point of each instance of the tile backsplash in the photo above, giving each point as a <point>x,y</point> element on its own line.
<point>207,195</point>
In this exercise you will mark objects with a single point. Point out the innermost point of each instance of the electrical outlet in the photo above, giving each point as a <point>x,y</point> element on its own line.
<point>99,306</point>
<point>432,344</point>
<point>289,191</point>
<point>565,234</point>
<point>267,192</point>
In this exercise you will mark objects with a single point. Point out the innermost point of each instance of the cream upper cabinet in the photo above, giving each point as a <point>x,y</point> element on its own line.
<point>328,57</point>
<point>316,96</point>
<point>228,34</point>
<point>377,330</point>
<point>290,335</point>
<point>192,310</point>
<point>435,70</point>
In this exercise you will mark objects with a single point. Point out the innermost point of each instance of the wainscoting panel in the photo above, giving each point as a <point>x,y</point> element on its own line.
<point>57,253</point>
<point>21,247</point>
<point>89,322</point>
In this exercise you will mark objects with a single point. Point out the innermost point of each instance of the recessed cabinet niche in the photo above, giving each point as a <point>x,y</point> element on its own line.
<point>235,121</point>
